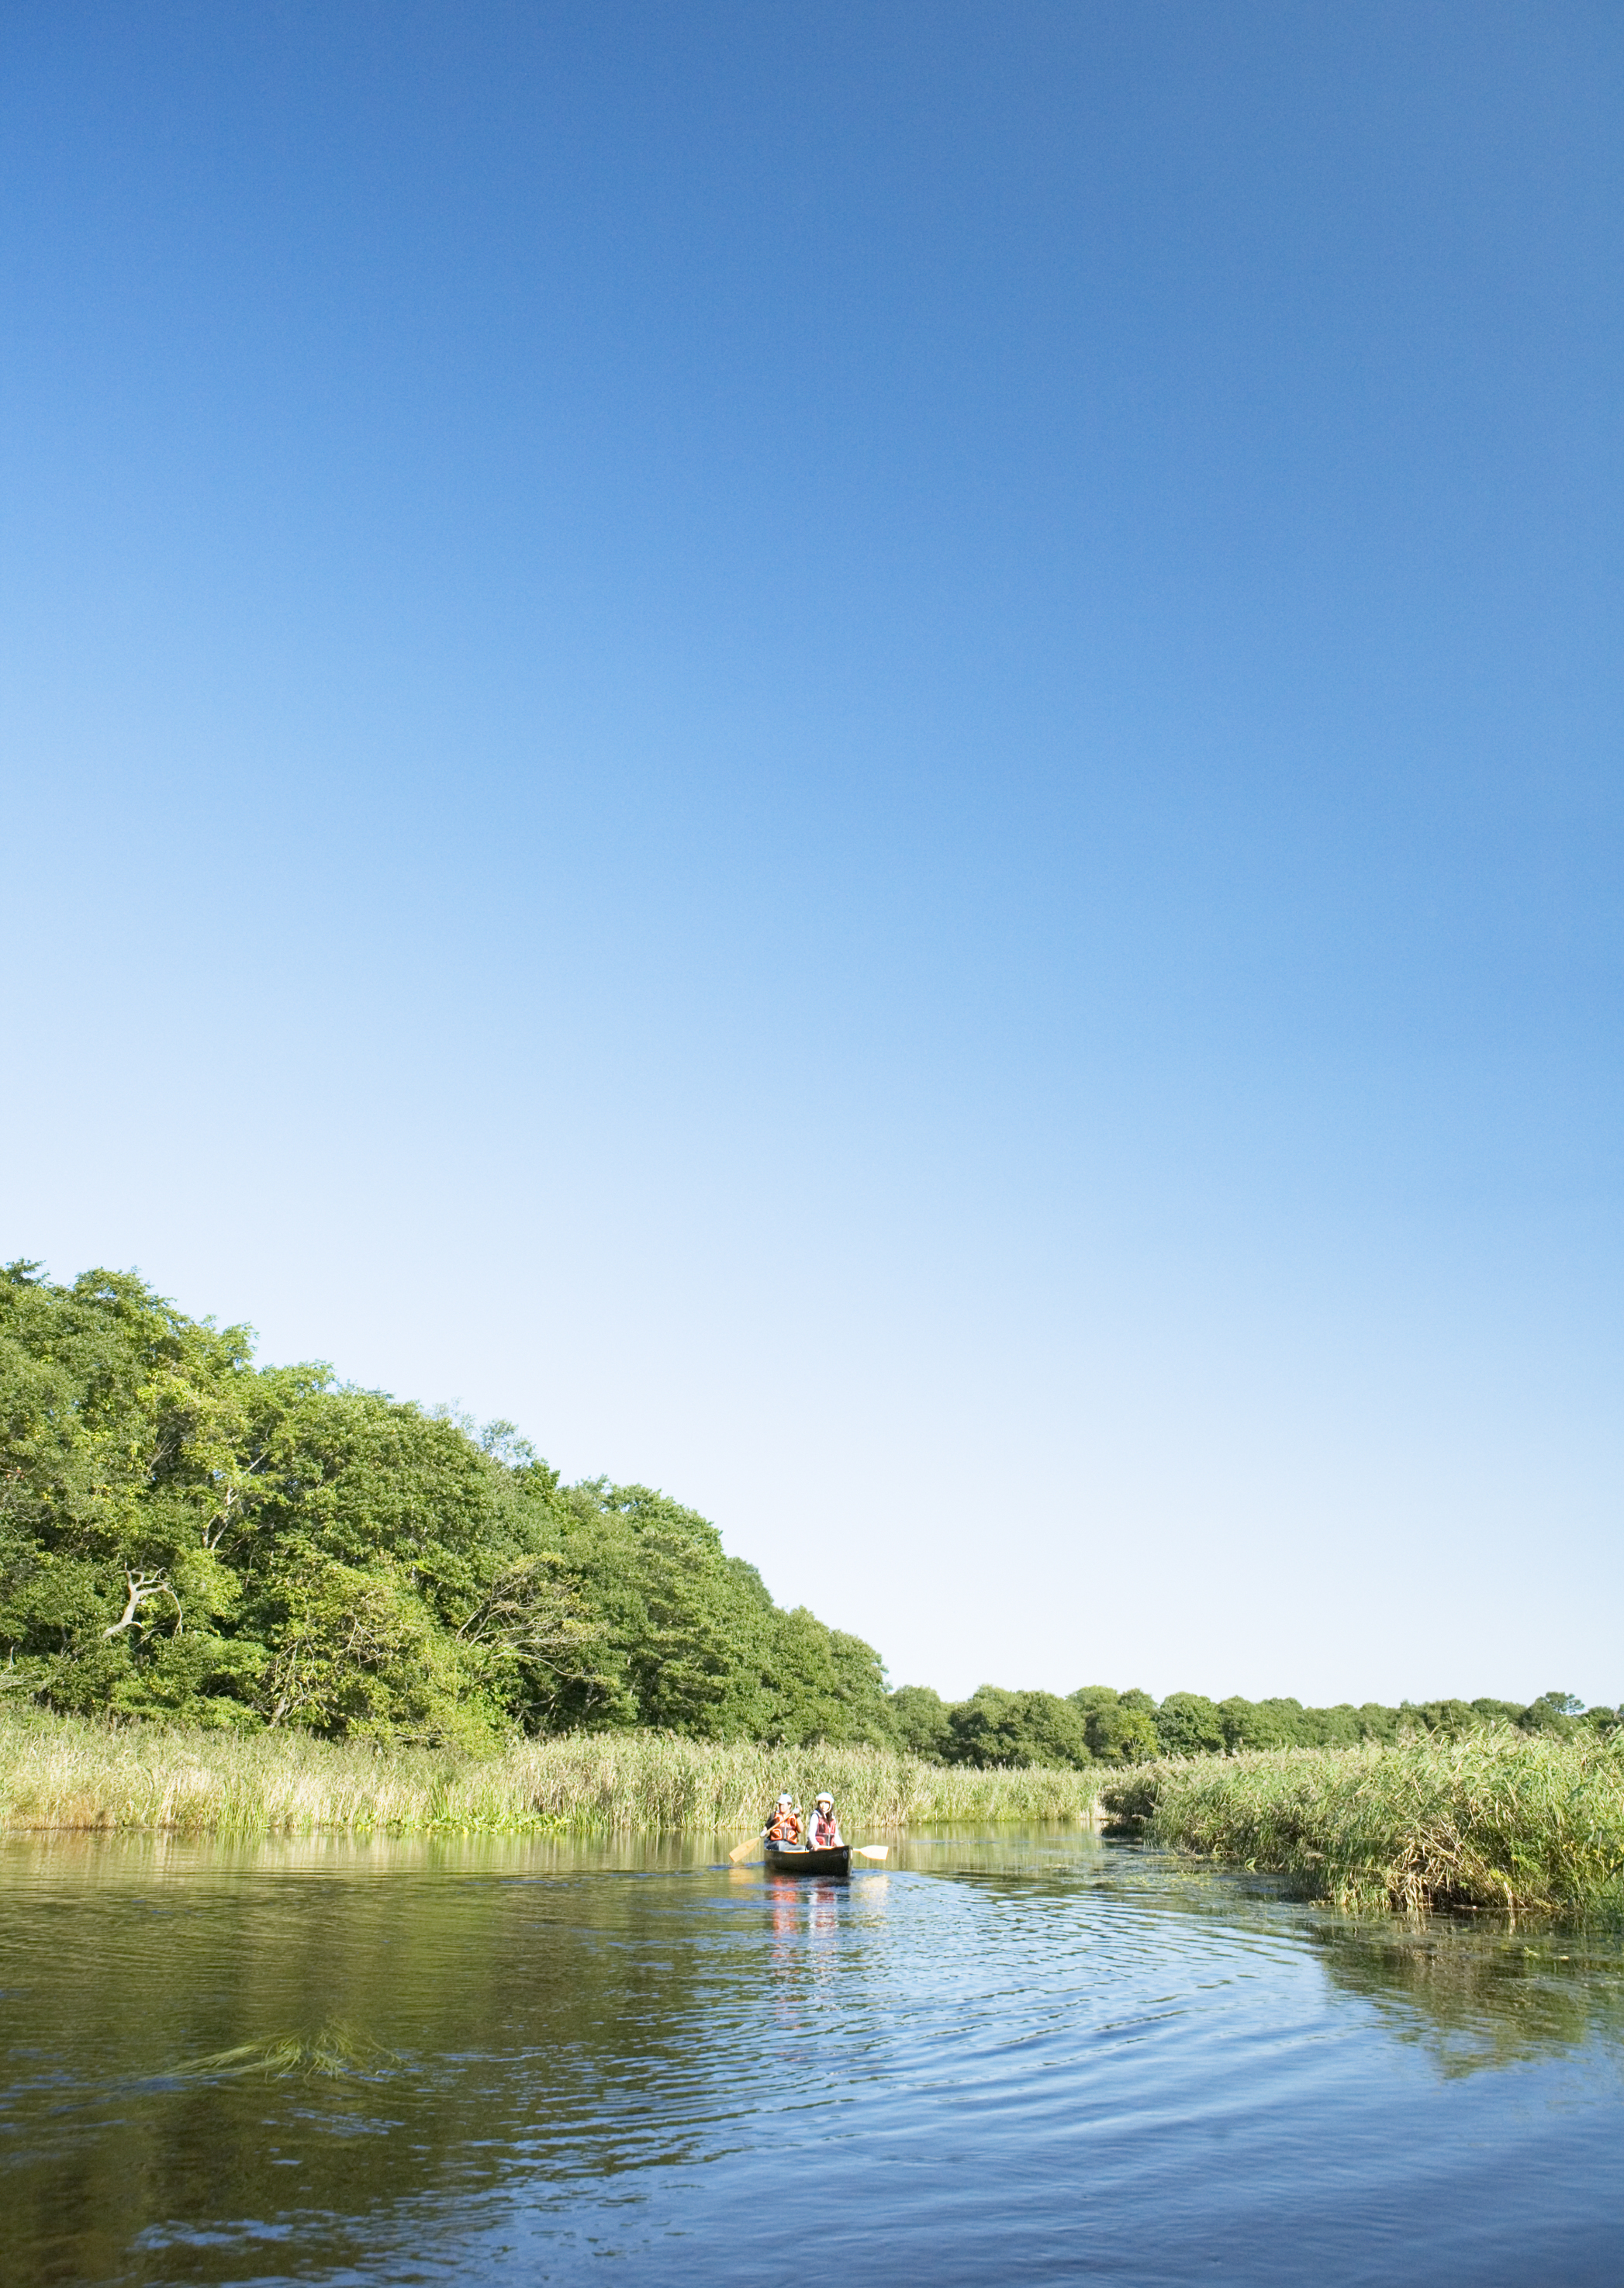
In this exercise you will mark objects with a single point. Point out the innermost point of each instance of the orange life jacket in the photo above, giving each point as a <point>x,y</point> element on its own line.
<point>785,1827</point>
<point>825,1830</point>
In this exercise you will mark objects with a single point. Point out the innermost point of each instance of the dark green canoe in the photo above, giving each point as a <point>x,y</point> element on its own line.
<point>800,1859</point>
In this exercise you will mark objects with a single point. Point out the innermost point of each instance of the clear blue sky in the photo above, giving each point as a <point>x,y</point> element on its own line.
<point>867,756</point>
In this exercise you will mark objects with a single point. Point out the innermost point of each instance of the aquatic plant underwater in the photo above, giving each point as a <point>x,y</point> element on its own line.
<point>335,2052</point>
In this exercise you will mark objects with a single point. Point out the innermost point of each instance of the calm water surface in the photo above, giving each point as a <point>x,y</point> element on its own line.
<point>1029,2057</point>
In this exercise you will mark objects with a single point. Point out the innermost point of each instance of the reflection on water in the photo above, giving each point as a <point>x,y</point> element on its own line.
<point>1480,1998</point>
<point>1029,2056</point>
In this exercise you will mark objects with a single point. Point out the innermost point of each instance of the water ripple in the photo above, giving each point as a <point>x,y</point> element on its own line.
<point>1021,2058</point>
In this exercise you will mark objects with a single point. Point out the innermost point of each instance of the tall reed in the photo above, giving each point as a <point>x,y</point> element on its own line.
<point>1496,1820</point>
<point>68,1772</point>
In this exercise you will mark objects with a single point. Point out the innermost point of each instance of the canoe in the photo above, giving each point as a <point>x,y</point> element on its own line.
<point>798,1859</point>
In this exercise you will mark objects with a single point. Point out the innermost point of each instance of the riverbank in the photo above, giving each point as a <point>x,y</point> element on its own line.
<point>67,1772</point>
<point>1498,1820</point>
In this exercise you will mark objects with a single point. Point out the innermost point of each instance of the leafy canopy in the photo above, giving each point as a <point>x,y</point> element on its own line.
<point>184,1533</point>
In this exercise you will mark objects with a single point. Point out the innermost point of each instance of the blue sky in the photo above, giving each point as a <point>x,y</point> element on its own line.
<point>867,757</point>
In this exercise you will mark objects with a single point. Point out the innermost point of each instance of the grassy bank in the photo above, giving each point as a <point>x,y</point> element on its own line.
<point>1496,1820</point>
<point>64,1772</point>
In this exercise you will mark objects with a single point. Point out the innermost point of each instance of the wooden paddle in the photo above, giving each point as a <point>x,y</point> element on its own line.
<point>864,1851</point>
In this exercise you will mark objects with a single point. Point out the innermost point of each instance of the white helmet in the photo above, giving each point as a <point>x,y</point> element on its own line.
<point>824,1798</point>
<point>786,1799</point>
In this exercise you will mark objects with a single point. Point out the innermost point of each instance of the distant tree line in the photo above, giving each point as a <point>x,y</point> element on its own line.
<point>185,1534</point>
<point>1098,1724</point>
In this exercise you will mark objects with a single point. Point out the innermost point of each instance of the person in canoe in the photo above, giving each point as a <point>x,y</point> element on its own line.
<point>785,1825</point>
<point>826,1835</point>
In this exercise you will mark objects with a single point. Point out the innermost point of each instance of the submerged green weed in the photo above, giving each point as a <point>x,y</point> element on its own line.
<point>336,2051</point>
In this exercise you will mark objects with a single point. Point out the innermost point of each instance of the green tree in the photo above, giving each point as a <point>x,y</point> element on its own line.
<point>1329,1728</point>
<point>1263,1723</point>
<point>1451,1720</point>
<point>127,1450</point>
<point>922,1722</point>
<point>1119,1727</point>
<point>182,1534</point>
<point>1188,1724</point>
<point>1124,1732</point>
<point>994,1727</point>
<point>824,1685</point>
<point>1552,1712</point>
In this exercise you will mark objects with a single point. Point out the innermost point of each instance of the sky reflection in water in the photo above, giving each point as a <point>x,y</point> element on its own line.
<point>1029,2057</point>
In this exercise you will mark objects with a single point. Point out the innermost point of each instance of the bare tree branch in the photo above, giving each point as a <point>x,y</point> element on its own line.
<point>143,1588</point>
<point>221,1519</point>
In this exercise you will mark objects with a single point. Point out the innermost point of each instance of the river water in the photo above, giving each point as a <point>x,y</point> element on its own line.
<point>1029,2056</point>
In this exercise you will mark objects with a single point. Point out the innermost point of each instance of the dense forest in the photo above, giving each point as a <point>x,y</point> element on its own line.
<point>185,1534</point>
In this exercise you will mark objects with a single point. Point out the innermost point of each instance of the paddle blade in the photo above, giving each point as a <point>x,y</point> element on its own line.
<point>750,1850</point>
<point>872,1850</point>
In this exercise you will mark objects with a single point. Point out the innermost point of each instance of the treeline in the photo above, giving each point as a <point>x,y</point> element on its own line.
<point>1099,1725</point>
<point>185,1534</point>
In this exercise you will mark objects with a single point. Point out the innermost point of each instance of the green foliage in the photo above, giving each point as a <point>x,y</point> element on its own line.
<point>1451,1720</point>
<point>1259,1723</point>
<point>1129,1727</point>
<point>185,1534</point>
<point>1119,1727</point>
<point>995,1728</point>
<point>1499,1817</point>
<point>1188,1724</point>
<point>922,1722</point>
<point>1556,1712</point>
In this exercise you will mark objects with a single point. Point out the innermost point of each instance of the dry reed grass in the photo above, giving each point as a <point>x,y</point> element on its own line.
<point>67,1772</point>
<point>1496,1820</point>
